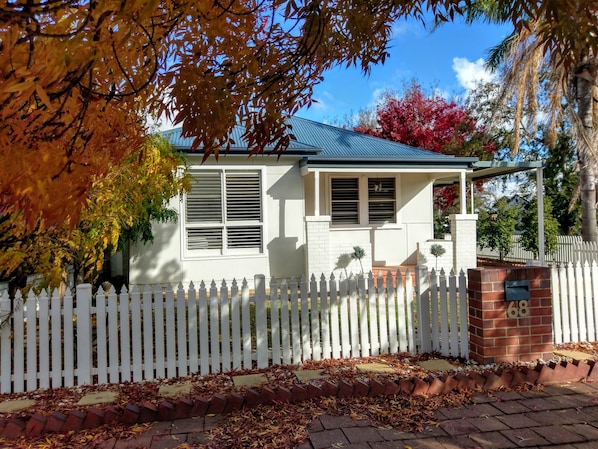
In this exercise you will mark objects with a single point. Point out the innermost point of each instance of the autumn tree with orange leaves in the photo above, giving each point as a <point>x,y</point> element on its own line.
<point>120,209</point>
<point>77,78</point>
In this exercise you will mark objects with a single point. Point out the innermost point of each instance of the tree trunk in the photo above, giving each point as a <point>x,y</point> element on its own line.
<point>589,231</point>
<point>16,283</point>
<point>585,80</point>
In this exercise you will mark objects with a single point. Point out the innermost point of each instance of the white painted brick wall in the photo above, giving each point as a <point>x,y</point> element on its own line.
<point>354,267</point>
<point>463,232</point>
<point>445,261</point>
<point>318,245</point>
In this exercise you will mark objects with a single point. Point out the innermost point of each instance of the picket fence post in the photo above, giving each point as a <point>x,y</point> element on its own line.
<point>274,319</point>
<point>556,305</point>
<point>125,339</point>
<point>444,314</point>
<point>325,317</point>
<point>101,337</point>
<point>382,314</point>
<point>464,310</point>
<point>261,326</point>
<point>372,313</point>
<point>224,327</point>
<point>214,328</point>
<point>5,345</point>
<point>284,323</point>
<point>393,342</point>
<point>246,325</point>
<point>433,304</point>
<point>84,350</point>
<point>19,343</point>
<point>315,319</point>
<point>235,311</point>
<point>423,309</point>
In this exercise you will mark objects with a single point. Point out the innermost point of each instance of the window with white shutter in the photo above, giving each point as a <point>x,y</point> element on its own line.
<point>224,212</point>
<point>381,201</point>
<point>363,201</point>
<point>345,201</point>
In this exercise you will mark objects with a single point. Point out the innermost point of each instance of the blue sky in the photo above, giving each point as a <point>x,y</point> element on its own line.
<point>449,59</point>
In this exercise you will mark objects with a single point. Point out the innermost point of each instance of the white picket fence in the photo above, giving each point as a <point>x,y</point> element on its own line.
<point>49,341</point>
<point>570,249</point>
<point>575,302</point>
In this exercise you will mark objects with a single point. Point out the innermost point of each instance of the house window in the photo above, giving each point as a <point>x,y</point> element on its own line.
<point>381,201</point>
<point>345,201</point>
<point>224,212</point>
<point>376,197</point>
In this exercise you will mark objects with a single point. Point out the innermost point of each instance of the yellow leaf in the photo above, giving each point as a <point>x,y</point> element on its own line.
<point>44,97</point>
<point>18,87</point>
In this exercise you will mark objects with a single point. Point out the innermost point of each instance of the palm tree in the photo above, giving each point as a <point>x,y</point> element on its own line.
<point>549,60</point>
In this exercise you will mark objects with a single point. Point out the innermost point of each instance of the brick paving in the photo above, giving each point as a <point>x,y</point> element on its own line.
<point>559,416</point>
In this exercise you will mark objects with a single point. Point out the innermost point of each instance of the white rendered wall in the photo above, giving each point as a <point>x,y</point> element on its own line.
<point>397,245</point>
<point>284,235</point>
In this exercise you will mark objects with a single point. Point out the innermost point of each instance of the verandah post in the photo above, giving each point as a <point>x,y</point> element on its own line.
<point>84,349</point>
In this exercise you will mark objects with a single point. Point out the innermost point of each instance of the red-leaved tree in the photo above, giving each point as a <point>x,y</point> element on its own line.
<point>433,123</point>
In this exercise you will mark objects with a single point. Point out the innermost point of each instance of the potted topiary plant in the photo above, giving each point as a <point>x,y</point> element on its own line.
<point>358,254</point>
<point>437,250</point>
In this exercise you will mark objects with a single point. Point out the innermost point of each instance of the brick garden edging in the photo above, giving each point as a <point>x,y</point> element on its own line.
<point>197,406</point>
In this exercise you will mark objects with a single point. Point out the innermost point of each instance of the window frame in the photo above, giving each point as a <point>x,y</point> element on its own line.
<point>373,200</point>
<point>225,224</point>
<point>364,200</point>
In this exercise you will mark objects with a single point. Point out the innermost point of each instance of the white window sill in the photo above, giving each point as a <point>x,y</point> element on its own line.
<point>389,226</point>
<point>195,257</point>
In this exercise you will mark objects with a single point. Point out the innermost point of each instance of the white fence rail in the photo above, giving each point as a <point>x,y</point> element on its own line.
<point>570,249</point>
<point>52,341</point>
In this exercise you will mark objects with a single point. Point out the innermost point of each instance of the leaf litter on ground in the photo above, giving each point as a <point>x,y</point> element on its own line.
<point>284,425</point>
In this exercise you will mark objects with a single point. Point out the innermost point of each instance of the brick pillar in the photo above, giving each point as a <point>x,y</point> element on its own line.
<point>509,331</point>
<point>317,229</point>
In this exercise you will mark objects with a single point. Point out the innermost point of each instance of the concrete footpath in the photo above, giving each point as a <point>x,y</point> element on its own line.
<point>558,416</point>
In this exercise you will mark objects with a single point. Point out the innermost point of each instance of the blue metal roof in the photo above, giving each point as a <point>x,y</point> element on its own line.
<point>343,143</point>
<point>342,147</point>
<point>174,136</point>
<point>325,145</point>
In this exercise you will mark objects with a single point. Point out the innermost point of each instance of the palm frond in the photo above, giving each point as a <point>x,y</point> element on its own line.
<point>489,11</point>
<point>499,53</point>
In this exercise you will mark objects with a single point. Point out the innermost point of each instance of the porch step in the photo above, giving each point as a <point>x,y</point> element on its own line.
<point>383,271</point>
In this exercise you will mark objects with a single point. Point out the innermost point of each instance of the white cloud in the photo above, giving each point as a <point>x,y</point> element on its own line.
<point>377,97</point>
<point>470,74</point>
<point>322,102</point>
<point>442,93</point>
<point>399,29</point>
<point>159,124</point>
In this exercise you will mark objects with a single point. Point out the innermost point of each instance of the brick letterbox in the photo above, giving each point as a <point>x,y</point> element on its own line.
<point>510,314</point>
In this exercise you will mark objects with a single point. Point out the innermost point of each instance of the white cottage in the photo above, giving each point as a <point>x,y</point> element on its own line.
<point>303,213</point>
